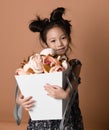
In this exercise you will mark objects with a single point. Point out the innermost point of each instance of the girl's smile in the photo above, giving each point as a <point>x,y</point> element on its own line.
<point>61,50</point>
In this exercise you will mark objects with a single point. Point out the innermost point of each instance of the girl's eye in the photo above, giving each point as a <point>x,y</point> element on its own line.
<point>52,40</point>
<point>64,37</point>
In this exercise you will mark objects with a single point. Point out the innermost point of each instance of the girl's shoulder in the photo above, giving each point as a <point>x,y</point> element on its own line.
<point>76,68</point>
<point>75,62</point>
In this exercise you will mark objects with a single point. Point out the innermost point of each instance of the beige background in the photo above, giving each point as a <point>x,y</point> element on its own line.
<point>90,20</point>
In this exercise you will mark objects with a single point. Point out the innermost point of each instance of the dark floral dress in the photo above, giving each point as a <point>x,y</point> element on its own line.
<point>75,121</point>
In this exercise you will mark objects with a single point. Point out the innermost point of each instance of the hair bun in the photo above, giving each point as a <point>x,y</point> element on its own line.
<point>38,24</point>
<point>57,14</point>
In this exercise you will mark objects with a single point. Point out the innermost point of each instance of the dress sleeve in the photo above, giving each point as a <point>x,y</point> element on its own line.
<point>76,68</point>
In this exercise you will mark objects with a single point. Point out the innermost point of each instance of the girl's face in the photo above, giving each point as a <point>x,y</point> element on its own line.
<point>57,39</point>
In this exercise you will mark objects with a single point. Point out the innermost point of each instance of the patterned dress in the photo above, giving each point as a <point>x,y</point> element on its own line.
<point>75,121</point>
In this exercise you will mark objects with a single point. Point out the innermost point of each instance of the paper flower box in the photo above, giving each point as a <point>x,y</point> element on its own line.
<point>46,107</point>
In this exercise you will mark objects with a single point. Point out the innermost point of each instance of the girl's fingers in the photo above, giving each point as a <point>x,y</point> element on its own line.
<point>29,104</point>
<point>49,87</point>
<point>27,99</point>
<point>29,107</point>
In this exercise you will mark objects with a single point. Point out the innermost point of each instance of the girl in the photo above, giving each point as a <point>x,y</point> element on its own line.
<point>55,33</point>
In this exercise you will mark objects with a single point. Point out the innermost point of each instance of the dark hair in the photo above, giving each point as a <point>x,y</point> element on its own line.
<point>43,25</point>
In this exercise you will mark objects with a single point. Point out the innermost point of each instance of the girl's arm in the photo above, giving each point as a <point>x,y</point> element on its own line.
<point>57,91</point>
<point>27,103</point>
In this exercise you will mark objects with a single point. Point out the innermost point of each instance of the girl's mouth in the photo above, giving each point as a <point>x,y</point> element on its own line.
<point>61,50</point>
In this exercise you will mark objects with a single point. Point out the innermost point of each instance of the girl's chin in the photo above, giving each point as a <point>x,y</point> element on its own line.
<point>61,52</point>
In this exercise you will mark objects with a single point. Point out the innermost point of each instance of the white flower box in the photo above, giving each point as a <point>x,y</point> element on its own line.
<point>46,107</point>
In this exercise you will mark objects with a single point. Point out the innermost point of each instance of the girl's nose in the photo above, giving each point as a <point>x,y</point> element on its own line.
<point>59,43</point>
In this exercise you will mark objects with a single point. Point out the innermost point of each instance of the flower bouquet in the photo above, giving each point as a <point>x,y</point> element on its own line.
<point>39,69</point>
<point>45,62</point>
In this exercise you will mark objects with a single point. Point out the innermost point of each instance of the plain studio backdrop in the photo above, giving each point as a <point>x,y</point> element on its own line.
<point>90,35</point>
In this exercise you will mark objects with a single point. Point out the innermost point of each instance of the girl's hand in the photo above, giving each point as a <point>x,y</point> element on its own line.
<point>27,103</point>
<point>56,91</point>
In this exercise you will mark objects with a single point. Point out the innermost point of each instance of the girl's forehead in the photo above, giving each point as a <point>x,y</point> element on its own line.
<point>55,31</point>
<point>57,28</point>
